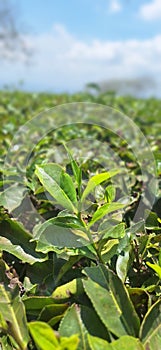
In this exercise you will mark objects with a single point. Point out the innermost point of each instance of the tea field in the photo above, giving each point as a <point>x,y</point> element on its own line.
<point>80,222</point>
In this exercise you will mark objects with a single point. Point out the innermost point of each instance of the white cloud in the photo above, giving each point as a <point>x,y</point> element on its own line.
<point>115,6</point>
<point>151,11</point>
<point>62,62</point>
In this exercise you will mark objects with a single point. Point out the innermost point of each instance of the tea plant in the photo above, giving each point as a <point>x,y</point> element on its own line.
<point>86,277</point>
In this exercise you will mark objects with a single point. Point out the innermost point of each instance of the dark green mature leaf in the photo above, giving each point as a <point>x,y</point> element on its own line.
<point>52,310</point>
<point>150,332</point>
<point>66,267</point>
<point>96,180</point>
<point>93,323</point>
<point>14,194</point>
<point>111,301</point>
<point>59,185</point>
<point>72,324</point>
<point>16,240</point>
<point>13,313</point>
<point>35,304</point>
<point>51,235</point>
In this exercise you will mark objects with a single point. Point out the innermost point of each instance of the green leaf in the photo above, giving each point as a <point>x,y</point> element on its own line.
<point>65,291</point>
<point>72,324</point>
<point>124,343</point>
<point>66,267</point>
<point>141,300</point>
<point>122,264</point>
<point>98,343</point>
<point>75,167</point>
<point>43,336</point>
<point>12,311</point>
<point>150,331</point>
<point>111,301</point>
<point>110,193</point>
<point>70,343</point>
<point>104,210</point>
<point>14,194</point>
<point>109,249</point>
<point>152,219</point>
<point>15,240</point>
<point>52,310</point>
<point>51,176</point>
<point>96,180</point>
<point>50,235</point>
<point>156,268</point>
<point>93,323</point>
<point>67,185</point>
<point>117,231</point>
<point>35,304</point>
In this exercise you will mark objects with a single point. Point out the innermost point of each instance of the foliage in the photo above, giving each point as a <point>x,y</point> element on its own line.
<point>84,276</point>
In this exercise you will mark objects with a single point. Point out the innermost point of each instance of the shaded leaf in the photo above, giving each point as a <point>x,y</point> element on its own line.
<point>16,240</point>
<point>150,331</point>
<point>156,268</point>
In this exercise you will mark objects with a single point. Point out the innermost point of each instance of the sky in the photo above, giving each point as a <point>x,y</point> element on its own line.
<point>75,42</point>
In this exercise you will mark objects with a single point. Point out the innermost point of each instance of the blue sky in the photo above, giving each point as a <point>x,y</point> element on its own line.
<point>78,41</point>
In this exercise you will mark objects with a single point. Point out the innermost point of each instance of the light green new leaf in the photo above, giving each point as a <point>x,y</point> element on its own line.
<point>117,231</point>
<point>98,343</point>
<point>72,324</point>
<point>58,185</point>
<point>43,336</point>
<point>96,180</point>
<point>150,332</point>
<point>69,343</point>
<point>12,311</point>
<point>65,291</point>
<point>75,167</point>
<point>124,343</point>
<point>104,210</point>
<point>67,185</point>
<point>156,268</point>
<point>110,193</point>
